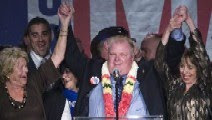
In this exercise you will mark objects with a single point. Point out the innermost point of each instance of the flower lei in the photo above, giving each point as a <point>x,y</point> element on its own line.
<point>126,94</point>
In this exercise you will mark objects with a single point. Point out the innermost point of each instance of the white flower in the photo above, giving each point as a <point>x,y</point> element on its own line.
<point>94,80</point>
<point>133,70</point>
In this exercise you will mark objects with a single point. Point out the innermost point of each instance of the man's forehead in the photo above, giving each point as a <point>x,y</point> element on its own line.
<point>38,27</point>
<point>119,44</point>
<point>120,48</point>
<point>149,41</point>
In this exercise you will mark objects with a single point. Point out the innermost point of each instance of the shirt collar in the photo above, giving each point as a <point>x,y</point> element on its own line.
<point>37,59</point>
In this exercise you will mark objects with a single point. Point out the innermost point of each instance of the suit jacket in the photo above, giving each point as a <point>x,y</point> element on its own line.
<point>36,84</point>
<point>54,102</point>
<point>86,68</point>
<point>31,64</point>
<point>150,85</point>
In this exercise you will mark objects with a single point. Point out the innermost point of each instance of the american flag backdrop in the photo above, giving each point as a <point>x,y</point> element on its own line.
<point>138,16</point>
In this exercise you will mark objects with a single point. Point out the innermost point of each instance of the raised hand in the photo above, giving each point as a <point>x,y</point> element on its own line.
<point>65,13</point>
<point>181,13</point>
<point>174,23</point>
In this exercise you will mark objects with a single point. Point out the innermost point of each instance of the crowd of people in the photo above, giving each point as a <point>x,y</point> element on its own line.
<point>162,78</point>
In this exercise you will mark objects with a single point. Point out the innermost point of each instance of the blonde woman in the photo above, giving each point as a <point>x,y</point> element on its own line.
<point>21,94</point>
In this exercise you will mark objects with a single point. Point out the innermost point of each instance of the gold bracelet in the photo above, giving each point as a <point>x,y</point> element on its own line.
<point>63,35</point>
<point>63,31</point>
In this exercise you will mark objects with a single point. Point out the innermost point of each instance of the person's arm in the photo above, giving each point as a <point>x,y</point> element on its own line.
<point>177,34</point>
<point>176,43</point>
<point>198,47</point>
<point>175,23</point>
<point>196,43</point>
<point>161,65</point>
<point>65,13</point>
<point>175,49</point>
<point>74,59</point>
<point>190,23</point>
<point>160,62</point>
<point>47,73</point>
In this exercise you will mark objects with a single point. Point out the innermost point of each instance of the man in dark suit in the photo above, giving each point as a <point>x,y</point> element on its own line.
<point>151,86</point>
<point>38,35</point>
<point>86,67</point>
<point>175,49</point>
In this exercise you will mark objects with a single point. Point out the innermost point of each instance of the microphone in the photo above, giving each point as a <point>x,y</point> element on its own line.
<point>116,76</point>
<point>116,73</point>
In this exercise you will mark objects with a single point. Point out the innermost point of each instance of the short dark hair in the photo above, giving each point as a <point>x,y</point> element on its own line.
<point>37,20</point>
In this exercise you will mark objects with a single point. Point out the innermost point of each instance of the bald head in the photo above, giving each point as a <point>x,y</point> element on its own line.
<point>149,46</point>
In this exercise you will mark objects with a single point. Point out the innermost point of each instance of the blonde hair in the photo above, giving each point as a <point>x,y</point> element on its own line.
<point>8,58</point>
<point>119,39</point>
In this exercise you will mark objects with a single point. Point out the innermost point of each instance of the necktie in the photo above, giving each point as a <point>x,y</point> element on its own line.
<point>43,60</point>
<point>120,89</point>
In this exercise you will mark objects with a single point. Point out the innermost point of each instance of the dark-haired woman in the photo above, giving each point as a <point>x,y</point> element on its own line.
<point>189,94</point>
